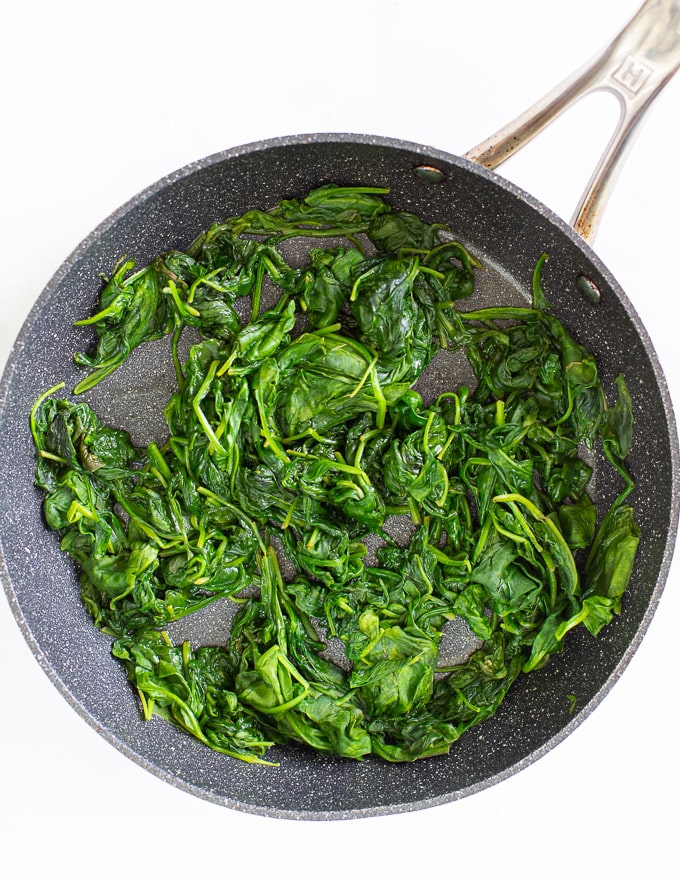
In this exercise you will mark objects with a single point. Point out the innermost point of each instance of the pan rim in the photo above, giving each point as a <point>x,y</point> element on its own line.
<point>671,428</point>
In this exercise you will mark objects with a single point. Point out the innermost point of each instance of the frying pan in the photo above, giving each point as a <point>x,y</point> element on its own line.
<point>507,230</point>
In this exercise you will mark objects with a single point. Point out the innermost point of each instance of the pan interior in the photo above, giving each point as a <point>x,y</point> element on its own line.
<point>508,232</point>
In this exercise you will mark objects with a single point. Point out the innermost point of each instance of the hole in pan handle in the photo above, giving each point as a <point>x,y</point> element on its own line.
<point>635,66</point>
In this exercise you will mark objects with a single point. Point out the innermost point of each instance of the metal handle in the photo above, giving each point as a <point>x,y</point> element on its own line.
<point>635,67</point>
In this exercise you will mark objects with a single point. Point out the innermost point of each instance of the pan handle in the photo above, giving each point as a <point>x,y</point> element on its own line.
<point>635,66</point>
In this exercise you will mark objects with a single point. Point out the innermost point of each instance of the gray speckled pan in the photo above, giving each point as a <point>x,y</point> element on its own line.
<point>508,231</point>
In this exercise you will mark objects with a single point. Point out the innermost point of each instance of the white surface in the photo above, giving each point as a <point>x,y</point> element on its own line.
<point>101,99</point>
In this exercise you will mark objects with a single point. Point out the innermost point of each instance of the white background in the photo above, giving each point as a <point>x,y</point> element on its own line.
<point>99,100</point>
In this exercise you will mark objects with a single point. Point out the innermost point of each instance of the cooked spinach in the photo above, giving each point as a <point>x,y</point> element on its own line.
<point>295,433</point>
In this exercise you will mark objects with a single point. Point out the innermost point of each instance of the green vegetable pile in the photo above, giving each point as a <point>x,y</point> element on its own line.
<point>294,436</point>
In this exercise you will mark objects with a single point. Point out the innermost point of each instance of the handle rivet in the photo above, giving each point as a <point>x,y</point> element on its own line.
<point>588,289</point>
<point>429,173</point>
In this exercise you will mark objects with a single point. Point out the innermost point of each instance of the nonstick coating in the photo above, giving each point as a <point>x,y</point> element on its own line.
<point>508,231</point>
